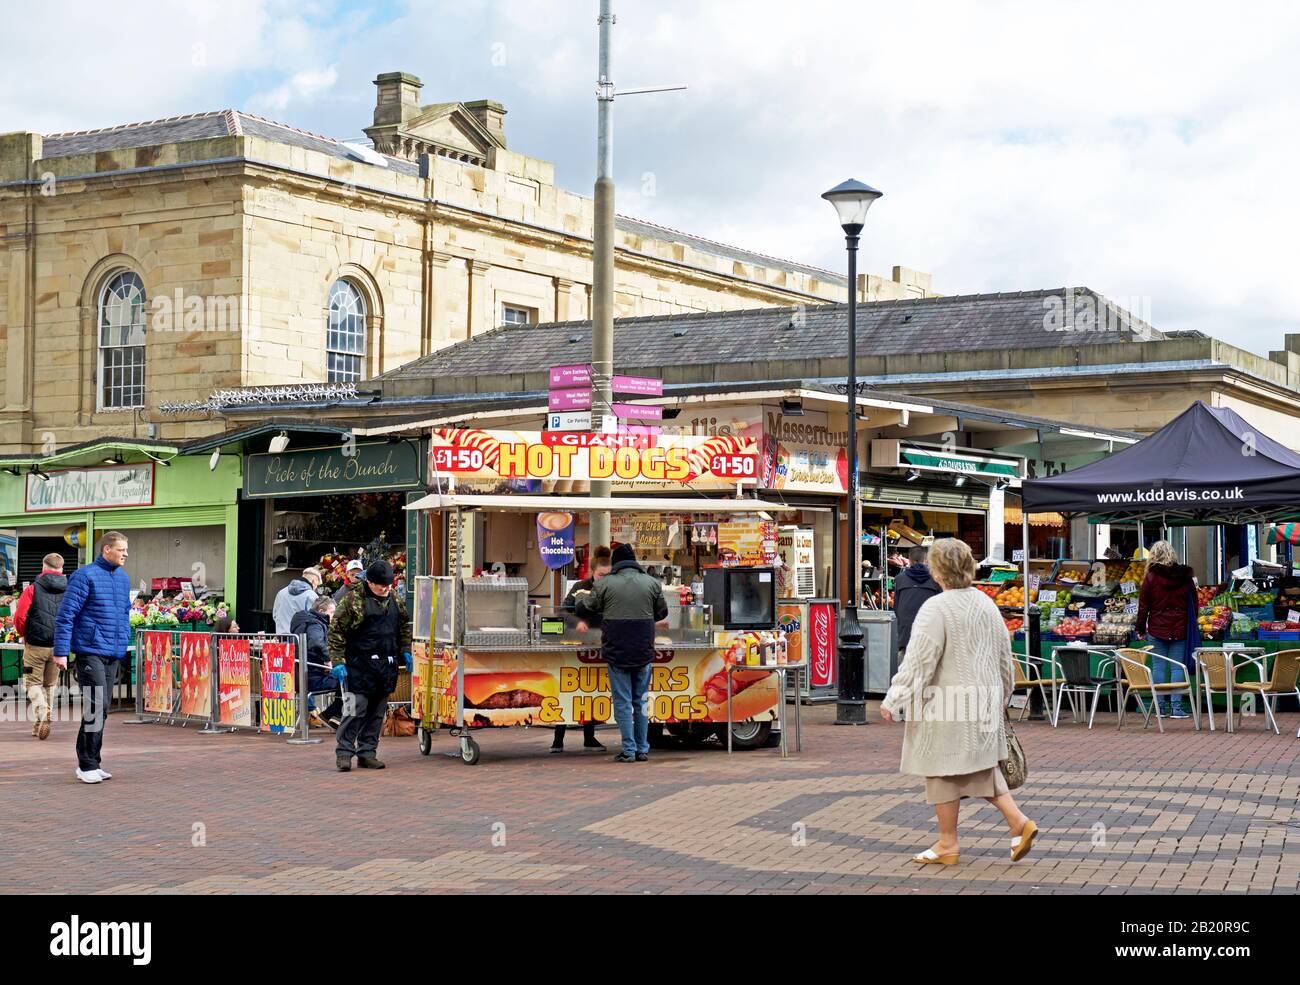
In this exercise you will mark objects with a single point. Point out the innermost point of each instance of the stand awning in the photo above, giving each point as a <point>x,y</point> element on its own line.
<point>593,504</point>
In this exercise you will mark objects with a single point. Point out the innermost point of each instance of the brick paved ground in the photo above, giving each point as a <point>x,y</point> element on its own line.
<point>1121,812</point>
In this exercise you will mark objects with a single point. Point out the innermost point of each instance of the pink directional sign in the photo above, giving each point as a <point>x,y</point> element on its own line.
<point>641,386</point>
<point>640,412</point>
<point>579,374</point>
<point>569,400</point>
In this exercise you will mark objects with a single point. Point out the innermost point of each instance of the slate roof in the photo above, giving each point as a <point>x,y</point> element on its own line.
<point>945,324</point>
<point>202,126</point>
<point>232,122</point>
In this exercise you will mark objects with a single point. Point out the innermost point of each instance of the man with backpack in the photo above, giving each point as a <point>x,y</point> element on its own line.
<point>34,620</point>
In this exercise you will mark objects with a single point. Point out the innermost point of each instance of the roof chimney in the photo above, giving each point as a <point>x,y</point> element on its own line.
<point>398,98</point>
<point>492,115</point>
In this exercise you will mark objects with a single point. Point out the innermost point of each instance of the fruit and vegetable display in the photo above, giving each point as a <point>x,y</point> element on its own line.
<point>1013,622</point>
<point>1014,596</point>
<point>991,591</point>
<point>1213,619</point>
<point>1255,599</point>
<point>1073,626</point>
<point>1117,624</point>
<point>1279,626</point>
<point>178,613</point>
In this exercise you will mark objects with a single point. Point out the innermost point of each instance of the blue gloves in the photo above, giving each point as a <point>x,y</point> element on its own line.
<point>339,672</point>
<point>410,664</point>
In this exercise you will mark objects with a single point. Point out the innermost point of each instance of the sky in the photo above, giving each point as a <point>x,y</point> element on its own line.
<point>1145,150</point>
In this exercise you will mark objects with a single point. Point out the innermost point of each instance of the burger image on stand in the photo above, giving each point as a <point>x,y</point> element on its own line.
<point>508,697</point>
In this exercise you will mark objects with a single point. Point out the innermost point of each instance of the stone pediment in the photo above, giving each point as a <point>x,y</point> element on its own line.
<point>445,129</point>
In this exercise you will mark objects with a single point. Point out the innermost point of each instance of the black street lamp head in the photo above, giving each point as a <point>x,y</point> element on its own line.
<point>851,200</point>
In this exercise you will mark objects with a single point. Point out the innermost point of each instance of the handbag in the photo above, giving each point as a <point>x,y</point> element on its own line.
<point>1015,768</point>
<point>399,723</point>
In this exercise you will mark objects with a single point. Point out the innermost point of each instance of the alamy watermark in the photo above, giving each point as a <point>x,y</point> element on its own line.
<point>1083,311</point>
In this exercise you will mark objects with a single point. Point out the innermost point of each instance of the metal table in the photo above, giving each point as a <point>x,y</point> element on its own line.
<point>782,671</point>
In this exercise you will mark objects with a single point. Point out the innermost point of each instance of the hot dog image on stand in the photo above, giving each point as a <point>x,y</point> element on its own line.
<point>493,646</point>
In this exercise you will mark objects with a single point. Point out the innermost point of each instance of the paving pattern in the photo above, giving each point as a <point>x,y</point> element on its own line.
<point>1120,812</point>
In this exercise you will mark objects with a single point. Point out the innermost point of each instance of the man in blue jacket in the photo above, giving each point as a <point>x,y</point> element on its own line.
<point>94,622</point>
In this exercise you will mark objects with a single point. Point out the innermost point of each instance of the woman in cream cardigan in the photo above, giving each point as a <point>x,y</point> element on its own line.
<point>952,688</point>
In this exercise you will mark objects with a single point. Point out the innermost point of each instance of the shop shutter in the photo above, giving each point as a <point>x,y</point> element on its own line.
<point>160,517</point>
<point>32,549</point>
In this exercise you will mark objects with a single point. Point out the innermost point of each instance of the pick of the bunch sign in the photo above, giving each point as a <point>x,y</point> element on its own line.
<point>279,707</point>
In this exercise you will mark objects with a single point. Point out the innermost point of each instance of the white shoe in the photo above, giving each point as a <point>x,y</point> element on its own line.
<point>90,776</point>
<point>104,774</point>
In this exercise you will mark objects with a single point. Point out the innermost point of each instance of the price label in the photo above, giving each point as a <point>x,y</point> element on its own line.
<point>1131,609</point>
<point>1128,588</point>
<point>734,466</point>
<point>1292,616</point>
<point>1057,615</point>
<point>1033,583</point>
<point>1017,556</point>
<point>1088,615</point>
<point>1248,587</point>
<point>1047,595</point>
<point>457,459</point>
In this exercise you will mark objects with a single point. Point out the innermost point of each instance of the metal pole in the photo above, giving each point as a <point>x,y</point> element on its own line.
<point>304,738</point>
<point>602,267</point>
<point>851,706</point>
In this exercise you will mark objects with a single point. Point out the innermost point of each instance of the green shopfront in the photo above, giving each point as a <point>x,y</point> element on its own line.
<point>324,505</point>
<point>180,515</point>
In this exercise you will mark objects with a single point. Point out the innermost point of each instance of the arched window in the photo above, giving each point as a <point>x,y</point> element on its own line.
<point>121,342</point>
<point>345,336</point>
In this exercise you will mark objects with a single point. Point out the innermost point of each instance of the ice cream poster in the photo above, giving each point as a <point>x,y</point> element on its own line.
<point>234,682</point>
<point>157,670</point>
<point>196,675</point>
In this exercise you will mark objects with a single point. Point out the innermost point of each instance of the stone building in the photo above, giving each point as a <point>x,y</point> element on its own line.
<point>151,264</point>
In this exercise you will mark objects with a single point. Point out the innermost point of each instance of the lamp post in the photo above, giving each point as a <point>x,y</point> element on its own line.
<point>851,200</point>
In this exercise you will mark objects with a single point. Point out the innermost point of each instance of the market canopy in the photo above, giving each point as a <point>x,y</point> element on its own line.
<point>1208,465</point>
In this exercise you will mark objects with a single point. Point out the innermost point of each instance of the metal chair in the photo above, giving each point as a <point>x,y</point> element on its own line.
<point>1212,677</point>
<point>1282,683</point>
<point>1137,677</point>
<point>1027,675</point>
<point>1076,664</point>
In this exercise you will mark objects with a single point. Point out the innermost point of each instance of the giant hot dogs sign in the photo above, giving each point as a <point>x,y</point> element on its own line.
<point>566,461</point>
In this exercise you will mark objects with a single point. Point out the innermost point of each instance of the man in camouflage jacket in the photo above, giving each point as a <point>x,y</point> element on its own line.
<point>369,637</point>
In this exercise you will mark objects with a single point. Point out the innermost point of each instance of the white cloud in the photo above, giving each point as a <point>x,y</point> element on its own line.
<point>303,87</point>
<point>1141,149</point>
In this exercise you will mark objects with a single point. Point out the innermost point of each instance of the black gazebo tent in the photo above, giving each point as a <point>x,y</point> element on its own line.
<point>1206,466</point>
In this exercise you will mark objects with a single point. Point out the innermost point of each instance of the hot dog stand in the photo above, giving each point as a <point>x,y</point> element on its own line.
<point>485,655</point>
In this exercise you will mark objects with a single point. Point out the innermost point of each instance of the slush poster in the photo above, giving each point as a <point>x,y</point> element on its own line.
<point>157,670</point>
<point>555,538</point>
<point>234,681</point>
<point>279,707</point>
<point>196,675</point>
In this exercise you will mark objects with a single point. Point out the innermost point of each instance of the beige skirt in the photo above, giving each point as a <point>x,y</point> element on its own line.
<point>983,783</point>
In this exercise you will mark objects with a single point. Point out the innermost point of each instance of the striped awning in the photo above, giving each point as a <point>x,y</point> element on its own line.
<point>1283,533</point>
<point>1012,514</point>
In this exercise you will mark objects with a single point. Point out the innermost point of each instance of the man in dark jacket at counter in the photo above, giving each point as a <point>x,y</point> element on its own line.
<point>315,625</point>
<point>629,603</point>
<point>600,563</point>
<point>94,622</point>
<point>369,635</point>
<point>911,588</point>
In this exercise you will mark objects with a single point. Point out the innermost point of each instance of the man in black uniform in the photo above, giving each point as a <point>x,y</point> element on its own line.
<point>369,634</point>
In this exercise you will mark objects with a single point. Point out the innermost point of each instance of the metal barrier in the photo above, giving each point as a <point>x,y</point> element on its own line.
<point>213,644</point>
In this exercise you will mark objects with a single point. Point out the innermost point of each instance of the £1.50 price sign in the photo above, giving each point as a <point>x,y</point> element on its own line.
<point>457,459</point>
<point>734,466</point>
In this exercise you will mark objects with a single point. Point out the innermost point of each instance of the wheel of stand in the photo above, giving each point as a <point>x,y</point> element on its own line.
<point>425,738</point>
<point>469,750</point>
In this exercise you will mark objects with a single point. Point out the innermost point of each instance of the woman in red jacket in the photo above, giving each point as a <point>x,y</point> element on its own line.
<point>1165,607</point>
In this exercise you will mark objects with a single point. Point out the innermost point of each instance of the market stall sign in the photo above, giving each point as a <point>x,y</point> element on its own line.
<point>803,454</point>
<point>317,471</point>
<point>892,453</point>
<point>537,461</point>
<point>97,488</point>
